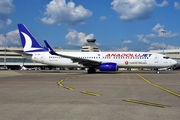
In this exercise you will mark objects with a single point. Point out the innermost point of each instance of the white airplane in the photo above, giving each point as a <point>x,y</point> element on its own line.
<point>104,61</point>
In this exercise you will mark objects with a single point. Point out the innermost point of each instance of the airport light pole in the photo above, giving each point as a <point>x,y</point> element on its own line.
<point>5,49</point>
<point>163,39</point>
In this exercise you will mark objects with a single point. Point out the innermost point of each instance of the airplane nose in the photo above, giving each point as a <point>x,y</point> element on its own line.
<point>173,62</point>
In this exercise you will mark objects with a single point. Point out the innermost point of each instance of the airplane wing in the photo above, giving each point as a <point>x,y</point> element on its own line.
<point>85,62</point>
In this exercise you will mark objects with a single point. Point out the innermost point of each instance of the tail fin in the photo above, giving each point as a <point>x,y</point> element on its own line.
<point>29,43</point>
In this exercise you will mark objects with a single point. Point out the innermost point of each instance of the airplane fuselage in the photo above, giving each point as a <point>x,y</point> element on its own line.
<point>122,59</point>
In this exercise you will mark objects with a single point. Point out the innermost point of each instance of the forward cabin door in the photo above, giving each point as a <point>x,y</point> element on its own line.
<point>156,59</point>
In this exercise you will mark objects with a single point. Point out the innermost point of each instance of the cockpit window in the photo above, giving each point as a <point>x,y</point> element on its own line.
<point>166,57</point>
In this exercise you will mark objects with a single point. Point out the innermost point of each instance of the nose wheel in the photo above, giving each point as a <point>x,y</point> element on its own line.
<point>157,72</point>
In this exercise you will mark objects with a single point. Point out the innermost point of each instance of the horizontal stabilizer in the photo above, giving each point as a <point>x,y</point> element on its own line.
<point>51,51</point>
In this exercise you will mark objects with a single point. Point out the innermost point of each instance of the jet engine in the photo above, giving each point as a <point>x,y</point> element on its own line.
<point>108,66</point>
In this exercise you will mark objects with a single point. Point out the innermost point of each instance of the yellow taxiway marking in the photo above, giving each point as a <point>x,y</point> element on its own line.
<point>147,103</point>
<point>66,78</point>
<point>90,93</point>
<point>162,88</point>
<point>69,88</point>
<point>60,84</point>
<point>61,80</point>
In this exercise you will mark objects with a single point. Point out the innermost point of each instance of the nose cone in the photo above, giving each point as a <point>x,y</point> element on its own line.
<point>173,62</point>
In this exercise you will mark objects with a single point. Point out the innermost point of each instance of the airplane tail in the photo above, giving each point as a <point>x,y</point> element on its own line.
<point>29,43</point>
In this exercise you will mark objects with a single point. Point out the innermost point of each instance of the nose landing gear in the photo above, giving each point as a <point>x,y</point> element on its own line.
<point>157,71</point>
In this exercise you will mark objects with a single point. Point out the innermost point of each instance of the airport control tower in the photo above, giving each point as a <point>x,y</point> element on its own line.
<point>90,46</point>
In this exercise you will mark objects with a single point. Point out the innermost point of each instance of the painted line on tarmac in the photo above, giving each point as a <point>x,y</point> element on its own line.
<point>61,80</point>
<point>91,93</point>
<point>67,79</point>
<point>60,84</point>
<point>160,87</point>
<point>69,88</point>
<point>146,103</point>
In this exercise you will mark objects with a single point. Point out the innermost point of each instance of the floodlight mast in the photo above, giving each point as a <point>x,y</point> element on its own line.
<point>5,49</point>
<point>163,39</point>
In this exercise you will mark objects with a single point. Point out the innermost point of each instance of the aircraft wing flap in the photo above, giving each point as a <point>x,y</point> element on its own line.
<point>85,62</point>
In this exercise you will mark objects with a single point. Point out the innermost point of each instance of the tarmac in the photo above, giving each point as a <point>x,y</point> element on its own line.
<point>76,95</point>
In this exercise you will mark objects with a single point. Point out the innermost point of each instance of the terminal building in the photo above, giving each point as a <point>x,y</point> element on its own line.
<point>14,60</point>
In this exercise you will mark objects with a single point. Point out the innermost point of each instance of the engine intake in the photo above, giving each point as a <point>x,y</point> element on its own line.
<point>108,67</point>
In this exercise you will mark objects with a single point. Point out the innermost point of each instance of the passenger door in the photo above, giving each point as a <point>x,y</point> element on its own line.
<point>156,59</point>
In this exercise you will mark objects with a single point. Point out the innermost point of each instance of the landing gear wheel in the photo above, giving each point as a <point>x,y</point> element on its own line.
<point>91,70</point>
<point>157,72</point>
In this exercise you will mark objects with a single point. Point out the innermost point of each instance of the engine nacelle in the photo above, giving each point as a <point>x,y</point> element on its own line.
<point>108,67</point>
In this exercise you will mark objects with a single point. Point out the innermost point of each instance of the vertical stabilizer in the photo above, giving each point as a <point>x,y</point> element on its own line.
<point>29,43</point>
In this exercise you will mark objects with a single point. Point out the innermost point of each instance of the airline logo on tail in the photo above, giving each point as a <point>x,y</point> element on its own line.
<point>29,43</point>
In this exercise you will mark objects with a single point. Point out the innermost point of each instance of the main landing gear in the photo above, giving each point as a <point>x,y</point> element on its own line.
<point>91,70</point>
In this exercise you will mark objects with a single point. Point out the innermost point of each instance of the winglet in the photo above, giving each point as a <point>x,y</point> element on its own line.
<point>51,51</point>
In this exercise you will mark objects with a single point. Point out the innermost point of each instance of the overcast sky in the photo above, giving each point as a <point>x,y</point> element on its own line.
<point>132,25</point>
